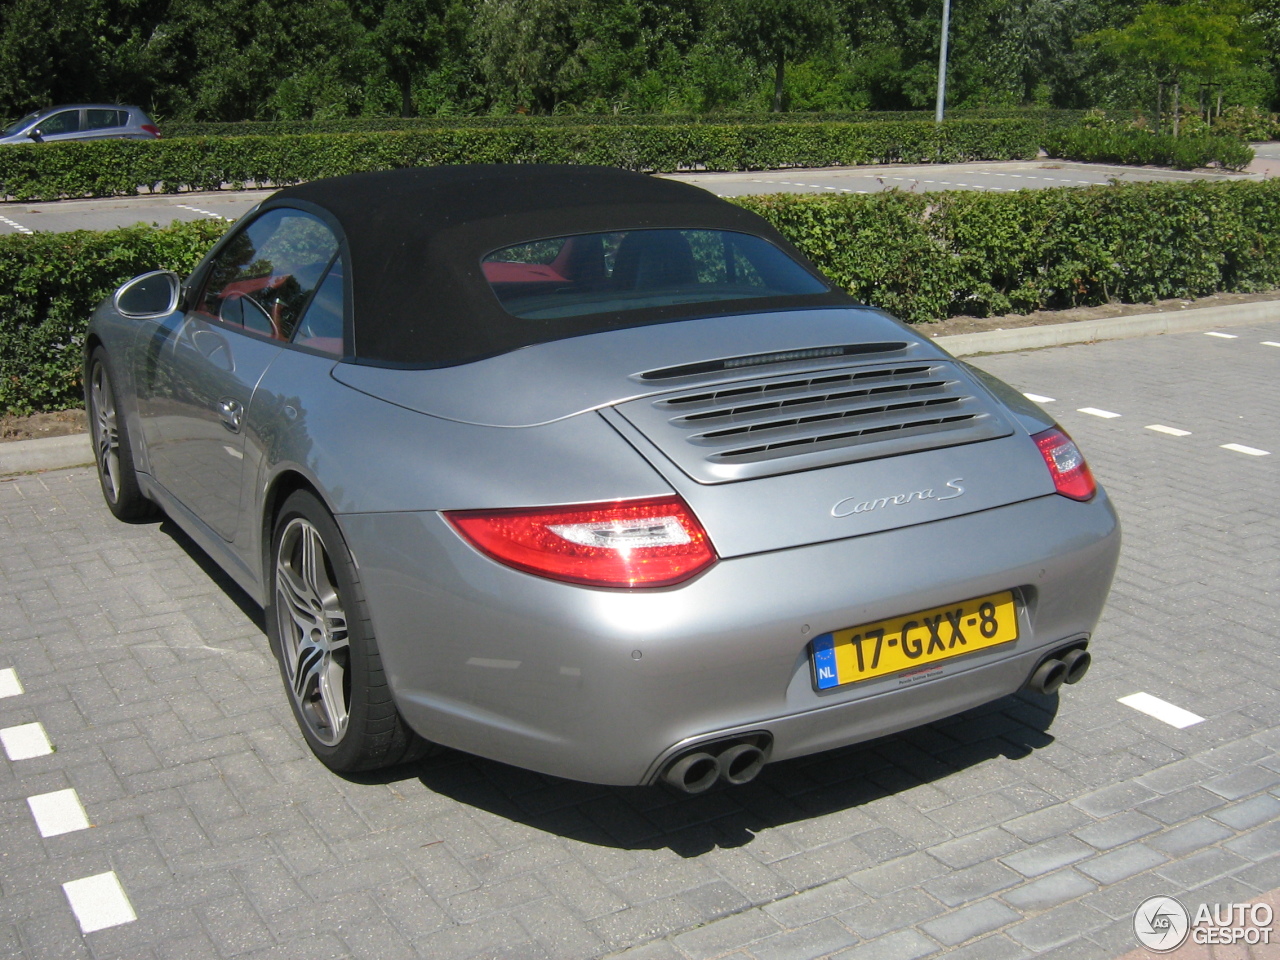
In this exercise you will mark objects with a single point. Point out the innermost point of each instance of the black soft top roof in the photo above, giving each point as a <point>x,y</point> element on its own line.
<point>415,239</point>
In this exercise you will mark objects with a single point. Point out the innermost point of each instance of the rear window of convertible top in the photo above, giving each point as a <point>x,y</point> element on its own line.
<point>637,269</point>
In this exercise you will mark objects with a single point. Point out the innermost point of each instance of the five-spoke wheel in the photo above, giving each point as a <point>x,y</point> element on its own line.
<point>320,630</point>
<point>111,448</point>
<point>313,631</point>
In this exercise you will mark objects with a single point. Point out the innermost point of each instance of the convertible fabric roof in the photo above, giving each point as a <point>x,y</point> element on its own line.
<point>416,238</point>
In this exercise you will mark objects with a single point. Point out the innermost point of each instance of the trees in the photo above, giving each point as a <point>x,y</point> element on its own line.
<point>1199,40</point>
<point>775,31</point>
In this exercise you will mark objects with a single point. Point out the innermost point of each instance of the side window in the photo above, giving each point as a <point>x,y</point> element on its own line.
<point>103,119</point>
<point>264,277</point>
<point>321,325</point>
<point>68,121</point>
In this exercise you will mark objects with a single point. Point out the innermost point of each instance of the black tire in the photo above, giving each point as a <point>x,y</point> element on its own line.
<point>320,630</point>
<point>112,449</point>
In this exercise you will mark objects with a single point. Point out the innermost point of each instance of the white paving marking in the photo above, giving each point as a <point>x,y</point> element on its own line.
<point>1036,398</point>
<point>17,226</point>
<point>26,741</point>
<point>1236,447</point>
<point>1161,710</point>
<point>1224,336</point>
<point>1171,431</point>
<point>207,213</point>
<point>1095,412</point>
<point>10,685</point>
<point>1270,343</point>
<point>58,813</point>
<point>99,902</point>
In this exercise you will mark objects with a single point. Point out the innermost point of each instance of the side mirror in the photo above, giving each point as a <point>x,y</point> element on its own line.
<point>148,297</point>
<point>35,134</point>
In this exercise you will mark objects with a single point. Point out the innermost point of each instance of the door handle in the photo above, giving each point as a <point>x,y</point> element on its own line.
<point>231,413</point>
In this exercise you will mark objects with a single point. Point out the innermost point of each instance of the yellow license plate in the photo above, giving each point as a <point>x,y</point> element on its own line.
<point>906,643</point>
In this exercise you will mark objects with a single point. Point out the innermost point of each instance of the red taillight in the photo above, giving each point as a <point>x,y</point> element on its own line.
<point>627,543</point>
<point>1071,476</point>
<point>152,129</point>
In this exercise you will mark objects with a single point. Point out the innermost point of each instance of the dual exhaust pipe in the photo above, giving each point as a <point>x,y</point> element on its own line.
<point>734,761</point>
<point>739,761</point>
<point>1067,667</point>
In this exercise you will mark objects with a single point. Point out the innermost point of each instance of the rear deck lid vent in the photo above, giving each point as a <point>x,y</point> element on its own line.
<point>777,356</point>
<point>778,425</point>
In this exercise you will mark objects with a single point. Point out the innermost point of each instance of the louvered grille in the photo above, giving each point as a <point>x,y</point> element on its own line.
<point>796,422</point>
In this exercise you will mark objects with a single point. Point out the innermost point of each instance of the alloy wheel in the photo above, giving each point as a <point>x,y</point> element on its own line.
<point>313,631</point>
<point>106,432</point>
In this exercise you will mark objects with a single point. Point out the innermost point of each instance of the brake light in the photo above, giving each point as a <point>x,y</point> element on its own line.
<point>655,542</point>
<point>1071,475</point>
<point>152,129</point>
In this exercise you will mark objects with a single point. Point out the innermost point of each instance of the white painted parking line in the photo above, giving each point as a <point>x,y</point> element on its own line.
<point>1161,709</point>
<point>1241,448</point>
<point>1036,398</point>
<point>1270,343</point>
<point>207,213</point>
<point>1224,336</point>
<point>17,226</point>
<point>26,741</point>
<point>99,902</point>
<point>1171,431</point>
<point>10,685</point>
<point>58,813</point>
<point>1095,412</point>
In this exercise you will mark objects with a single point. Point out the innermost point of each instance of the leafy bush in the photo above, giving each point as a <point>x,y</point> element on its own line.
<point>105,168</point>
<point>1114,143</point>
<point>50,283</point>
<point>1051,119</point>
<point>928,256</point>
<point>920,256</point>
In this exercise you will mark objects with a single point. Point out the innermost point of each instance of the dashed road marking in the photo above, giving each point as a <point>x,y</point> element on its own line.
<point>1224,336</point>
<point>99,902</point>
<point>1161,709</point>
<point>25,741</point>
<point>1241,448</point>
<point>1171,431</point>
<point>58,813</point>
<point>1095,412</point>
<point>1036,398</point>
<point>10,685</point>
<point>1270,343</point>
<point>16,225</point>
<point>207,213</point>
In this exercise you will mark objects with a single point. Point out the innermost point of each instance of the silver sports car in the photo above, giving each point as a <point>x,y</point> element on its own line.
<point>591,473</point>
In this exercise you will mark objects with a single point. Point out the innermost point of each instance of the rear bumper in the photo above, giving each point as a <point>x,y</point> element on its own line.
<point>605,685</point>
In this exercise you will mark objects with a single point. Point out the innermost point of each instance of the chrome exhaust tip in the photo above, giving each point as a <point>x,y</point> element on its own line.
<point>740,763</point>
<point>1049,676</point>
<point>693,773</point>
<point>1077,662</point>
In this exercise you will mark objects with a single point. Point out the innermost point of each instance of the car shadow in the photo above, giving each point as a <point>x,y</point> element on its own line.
<point>656,817</point>
<point>785,792</point>
<point>233,590</point>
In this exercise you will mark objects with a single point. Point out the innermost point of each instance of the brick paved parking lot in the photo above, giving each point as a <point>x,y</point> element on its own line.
<point>156,800</point>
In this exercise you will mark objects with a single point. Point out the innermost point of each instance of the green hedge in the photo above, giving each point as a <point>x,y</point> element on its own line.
<point>922,257</point>
<point>1126,145</point>
<point>1050,119</point>
<point>926,257</point>
<point>107,168</point>
<point>50,283</point>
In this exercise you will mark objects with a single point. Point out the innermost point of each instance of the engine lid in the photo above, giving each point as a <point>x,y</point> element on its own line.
<point>550,381</point>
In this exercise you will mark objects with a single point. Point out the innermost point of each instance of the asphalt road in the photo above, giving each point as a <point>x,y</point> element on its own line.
<point>137,695</point>
<point>996,176</point>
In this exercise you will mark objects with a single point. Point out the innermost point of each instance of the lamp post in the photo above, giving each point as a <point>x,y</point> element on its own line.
<point>942,62</point>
